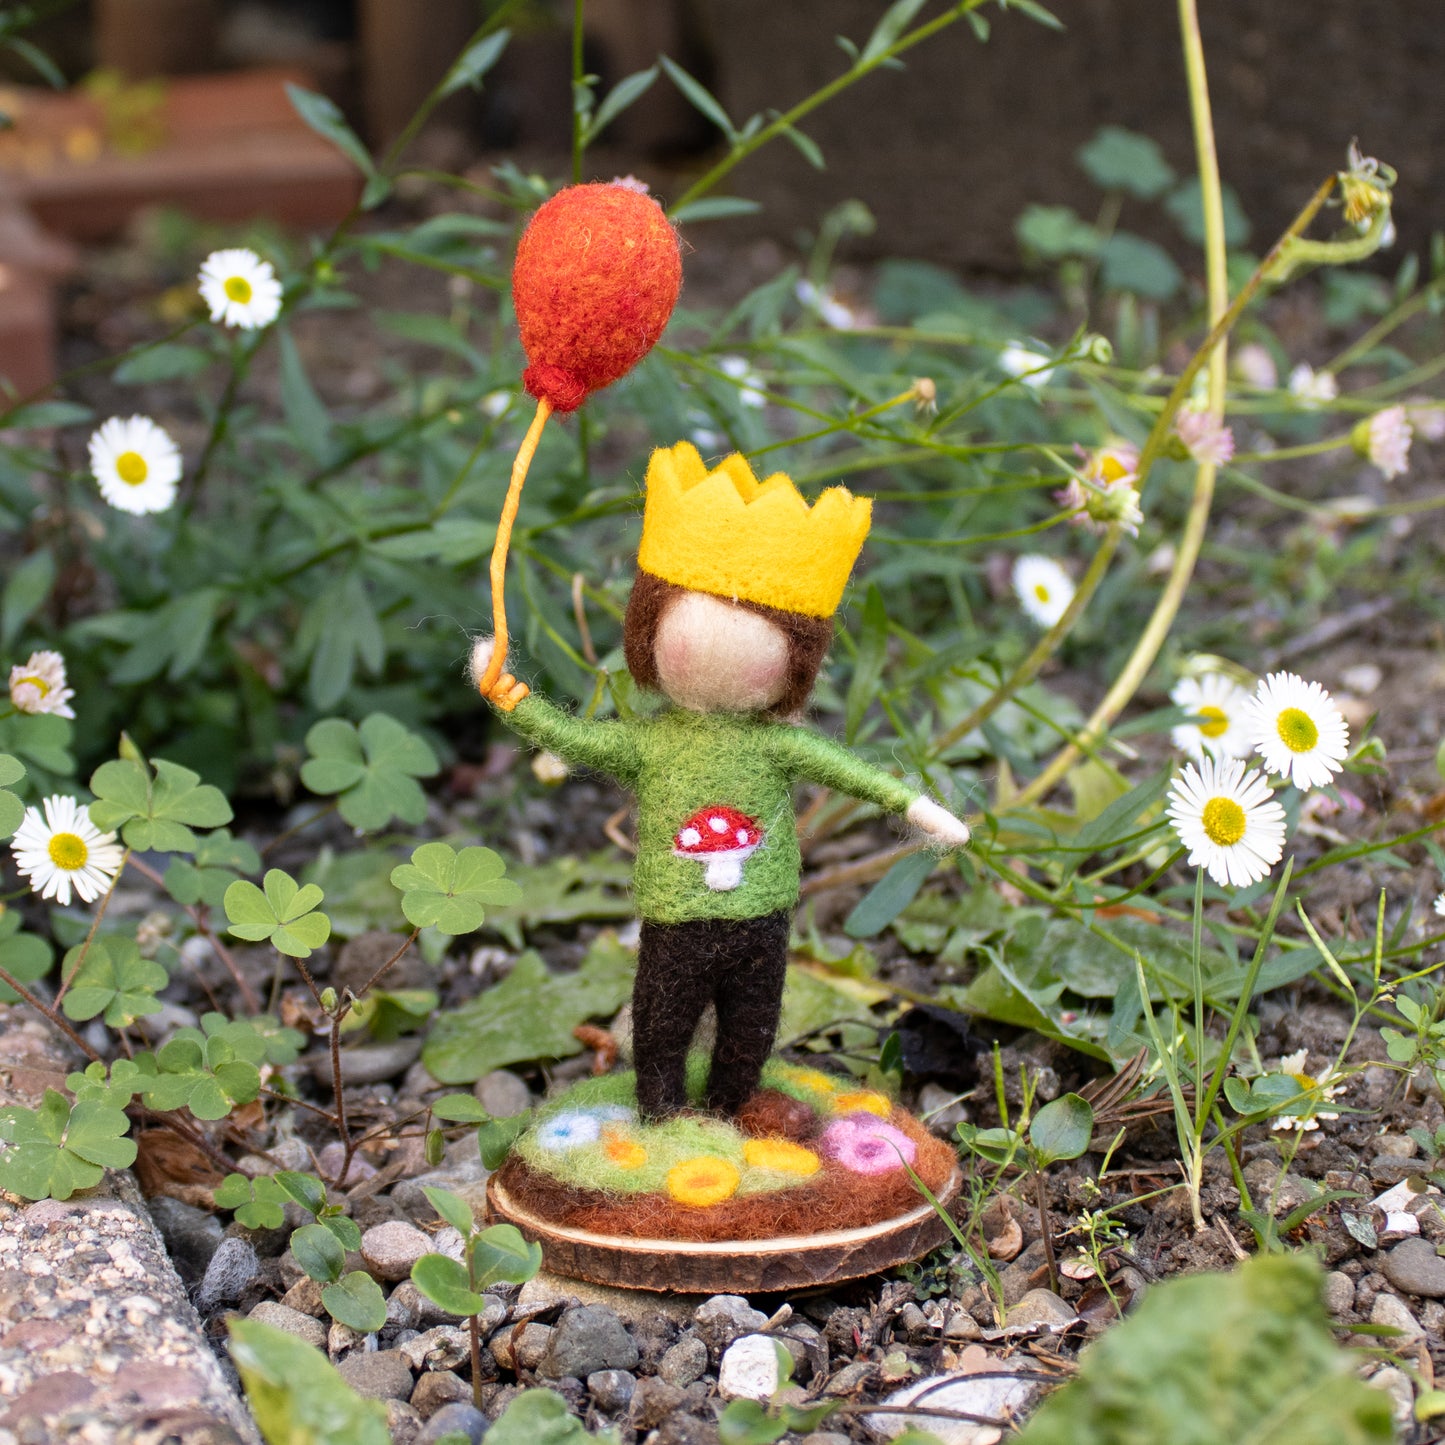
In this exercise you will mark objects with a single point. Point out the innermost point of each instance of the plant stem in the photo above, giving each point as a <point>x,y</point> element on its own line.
<point>50,1013</point>
<point>395,958</point>
<point>95,922</point>
<point>1045,1228</point>
<point>474,1330</point>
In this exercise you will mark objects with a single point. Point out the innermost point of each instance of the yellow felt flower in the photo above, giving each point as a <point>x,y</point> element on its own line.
<point>865,1101</point>
<point>622,1152</point>
<point>811,1079</point>
<point>782,1155</point>
<point>702,1181</point>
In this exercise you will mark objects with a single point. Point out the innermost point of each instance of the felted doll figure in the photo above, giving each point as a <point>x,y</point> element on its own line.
<point>729,619</point>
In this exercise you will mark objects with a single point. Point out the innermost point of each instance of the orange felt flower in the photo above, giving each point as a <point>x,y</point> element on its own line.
<point>865,1101</point>
<point>623,1152</point>
<point>597,274</point>
<point>781,1154</point>
<point>702,1181</point>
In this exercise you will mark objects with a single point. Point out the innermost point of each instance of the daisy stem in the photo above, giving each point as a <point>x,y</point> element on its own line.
<point>95,923</point>
<point>50,1013</point>
<point>1223,315</point>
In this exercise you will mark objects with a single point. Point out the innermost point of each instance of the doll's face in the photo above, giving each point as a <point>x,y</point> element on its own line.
<point>713,656</point>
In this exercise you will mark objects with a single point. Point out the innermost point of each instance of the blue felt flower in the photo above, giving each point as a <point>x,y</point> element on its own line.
<point>611,1113</point>
<point>570,1129</point>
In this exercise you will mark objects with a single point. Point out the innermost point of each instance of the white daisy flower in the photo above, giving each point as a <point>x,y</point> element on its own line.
<point>1385,439</point>
<point>495,403</point>
<point>1325,1089</point>
<point>1219,703</point>
<point>136,464</point>
<point>65,850</point>
<point>1103,491</point>
<point>240,288</point>
<point>1205,437</point>
<point>831,311</point>
<point>1030,368</point>
<point>750,383</point>
<point>1297,730</point>
<point>1228,820</point>
<point>1312,388</point>
<point>1440,905</point>
<point>38,685</point>
<point>1043,587</point>
<point>1427,418</point>
<point>1255,366</point>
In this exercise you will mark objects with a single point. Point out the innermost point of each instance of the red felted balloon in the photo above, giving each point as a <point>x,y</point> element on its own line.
<point>597,275</point>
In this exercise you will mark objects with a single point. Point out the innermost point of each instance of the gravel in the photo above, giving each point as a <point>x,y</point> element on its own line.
<point>1391,1310</point>
<point>749,1369</point>
<point>458,1419</point>
<point>502,1094</point>
<point>392,1248</point>
<point>723,1318</point>
<point>304,1327</point>
<point>1040,1307</point>
<point>192,1236</point>
<point>378,1374</point>
<point>438,1388</point>
<point>990,1397</point>
<point>612,1390</point>
<point>1413,1267</point>
<point>586,1340</point>
<point>1339,1292</point>
<point>685,1362</point>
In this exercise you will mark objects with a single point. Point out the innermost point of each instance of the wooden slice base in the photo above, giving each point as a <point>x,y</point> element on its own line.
<point>752,1266</point>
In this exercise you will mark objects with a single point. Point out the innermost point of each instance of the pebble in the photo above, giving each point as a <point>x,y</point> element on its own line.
<point>586,1340</point>
<point>749,1369</point>
<point>330,1159</point>
<point>304,1327</point>
<point>437,1388</point>
<point>459,1419</point>
<point>685,1429</point>
<point>1397,1146</point>
<point>192,1235</point>
<point>442,1348</point>
<point>612,1390</point>
<point>342,1340</point>
<point>1339,1292</point>
<point>1390,1309</point>
<point>521,1349</point>
<point>685,1362</point>
<point>1396,1384</point>
<point>1039,1307</point>
<point>941,1109</point>
<point>367,1063</point>
<point>826,1437</point>
<point>378,1374</point>
<point>723,1318</point>
<point>233,1266</point>
<point>633,1307</point>
<point>994,1398</point>
<point>1413,1267</point>
<point>392,1248</point>
<point>403,1423</point>
<point>467,1179</point>
<point>502,1094</point>
<point>653,1401</point>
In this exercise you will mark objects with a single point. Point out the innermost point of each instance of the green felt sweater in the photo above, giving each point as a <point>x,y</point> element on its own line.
<point>681,764</point>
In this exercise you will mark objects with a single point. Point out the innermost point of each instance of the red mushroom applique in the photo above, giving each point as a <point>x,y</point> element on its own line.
<point>721,839</point>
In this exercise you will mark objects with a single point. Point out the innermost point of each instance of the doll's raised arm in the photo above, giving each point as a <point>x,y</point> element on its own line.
<point>810,755</point>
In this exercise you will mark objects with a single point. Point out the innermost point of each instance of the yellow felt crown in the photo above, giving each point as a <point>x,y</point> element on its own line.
<point>725,532</point>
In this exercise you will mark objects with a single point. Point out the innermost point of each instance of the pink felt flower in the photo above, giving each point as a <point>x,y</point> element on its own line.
<point>867,1144</point>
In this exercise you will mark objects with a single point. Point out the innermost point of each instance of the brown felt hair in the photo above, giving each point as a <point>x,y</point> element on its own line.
<point>808,639</point>
<point>834,1198</point>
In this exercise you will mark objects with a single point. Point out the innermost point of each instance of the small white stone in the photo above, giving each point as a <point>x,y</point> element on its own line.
<point>992,1398</point>
<point>749,1369</point>
<point>1390,1310</point>
<point>1399,1222</point>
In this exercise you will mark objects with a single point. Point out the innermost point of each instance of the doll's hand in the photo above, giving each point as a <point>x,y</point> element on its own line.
<point>940,825</point>
<point>506,692</point>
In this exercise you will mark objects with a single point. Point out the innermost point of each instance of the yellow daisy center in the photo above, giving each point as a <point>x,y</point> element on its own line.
<point>238,288</point>
<point>1041,592</point>
<point>1215,723</point>
<point>68,851</point>
<point>702,1181</point>
<point>131,468</point>
<point>39,683</point>
<point>1297,730</point>
<point>1111,469</point>
<point>1223,821</point>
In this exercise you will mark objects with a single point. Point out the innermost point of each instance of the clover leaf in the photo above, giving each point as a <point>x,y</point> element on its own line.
<point>12,810</point>
<point>115,1092</point>
<point>24,956</point>
<point>374,768</point>
<point>447,890</point>
<point>50,1152</point>
<point>155,814</point>
<point>112,979</point>
<point>259,1203</point>
<point>205,1077</point>
<point>259,1040</point>
<point>219,859</point>
<point>284,913</point>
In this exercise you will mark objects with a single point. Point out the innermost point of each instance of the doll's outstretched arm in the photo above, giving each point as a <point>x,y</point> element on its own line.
<point>606,746</point>
<point>821,760</point>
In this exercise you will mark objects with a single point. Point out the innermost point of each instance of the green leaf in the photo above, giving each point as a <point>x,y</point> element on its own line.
<point>627,90</point>
<point>495,1139</point>
<point>155,813</point>
<point>500,1255</point>
<point>868,664</point>
<point>1130,263</point>
<point>475,61</point>
<point>890,895</point>
<point>219,858</point>
<point>347,1231</point>
<point>1187,209</point>
<point>700,98</point>
<point>113,979</point>
<point>452,1208</point>
<point>296,1396</point>
<point>529,1015</point>
<point>306,414</point>
<point>447,890</point>
<point>538,1417</point>
<point>340,631</point>
<point>1062,1128</point>
<point>460,1109</point>
<point>283,913</point>
<point>24,956</point>
<point>890,26</point>
<point>318,1252</point>
<point>1122,160</point>
<point>1054,233</point>
<point>170,361</point>
<point>259,1203</point>
<point>114,1092</point>
<point>355,1300</point>
<point>713,208</point>
<point>325,118</point>
<point>745,1422</point>
<point>12,810</point>
<point>374,768</point>
<point>50,1152</point>
<point>198,1073</point>
<point>26,588</point>
<point>446,1284</point>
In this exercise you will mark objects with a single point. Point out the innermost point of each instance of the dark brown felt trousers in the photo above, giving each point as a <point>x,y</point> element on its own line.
<point>736,964</point>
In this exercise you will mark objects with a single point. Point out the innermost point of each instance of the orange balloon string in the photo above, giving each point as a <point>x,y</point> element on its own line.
<point>523,461</point>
